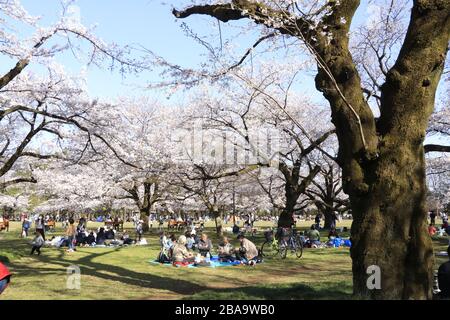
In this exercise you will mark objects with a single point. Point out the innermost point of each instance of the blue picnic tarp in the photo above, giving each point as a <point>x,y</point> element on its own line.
<point>215,263</point>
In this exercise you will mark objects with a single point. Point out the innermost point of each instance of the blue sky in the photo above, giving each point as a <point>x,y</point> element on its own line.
<point>144,22</point>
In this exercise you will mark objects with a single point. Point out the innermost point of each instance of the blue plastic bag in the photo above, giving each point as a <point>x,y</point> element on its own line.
<point>337,242</point>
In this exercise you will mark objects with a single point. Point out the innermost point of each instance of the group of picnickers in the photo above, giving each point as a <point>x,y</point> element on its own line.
<point>433,229</point>
<point>76,235</point>
<point>191,249</point>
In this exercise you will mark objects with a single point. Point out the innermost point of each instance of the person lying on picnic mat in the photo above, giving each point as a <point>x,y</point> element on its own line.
<point>226,251</point>
<point>181,255</point>
<point>247,253</point>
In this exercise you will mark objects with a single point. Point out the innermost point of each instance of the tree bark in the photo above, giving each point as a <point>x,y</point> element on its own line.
<point>218,222</point>
<point>330,218</point>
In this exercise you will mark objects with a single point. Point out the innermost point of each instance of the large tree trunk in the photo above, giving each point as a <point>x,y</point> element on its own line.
<point>330,217</point>
<point>286,219</point>
<point>144,214</point>
<point>218,222</point>
<point>389,229</point>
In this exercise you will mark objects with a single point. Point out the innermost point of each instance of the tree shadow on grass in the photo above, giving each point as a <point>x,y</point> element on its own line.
<point>109,272</point>
<point>298,291</point>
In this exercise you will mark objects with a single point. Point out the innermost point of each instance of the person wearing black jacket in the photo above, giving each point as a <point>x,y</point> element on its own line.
<point>101,237</point>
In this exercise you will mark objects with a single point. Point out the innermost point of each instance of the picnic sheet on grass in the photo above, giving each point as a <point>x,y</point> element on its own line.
<point>215,263</point>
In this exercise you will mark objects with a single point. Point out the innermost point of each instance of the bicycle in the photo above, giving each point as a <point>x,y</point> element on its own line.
<point>292,244</point>
<point>270,247</point>
<point>273,246</point>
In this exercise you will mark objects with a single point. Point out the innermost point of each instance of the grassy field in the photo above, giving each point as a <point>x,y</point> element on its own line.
<point>125,273</point>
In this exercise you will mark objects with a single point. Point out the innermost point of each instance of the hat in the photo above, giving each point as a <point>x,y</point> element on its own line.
<point>240,235</point>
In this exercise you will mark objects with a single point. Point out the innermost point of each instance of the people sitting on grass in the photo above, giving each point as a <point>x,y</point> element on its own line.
<point>126,239</point>
<point>37,243</point>
<point>444,278</point>
<point>101,237</point>
<point>181,255</point>
<point>204,245</point>
<point>432,230</point>
<point>446,227</point>
<point>172,240</point>
<point>333,238</point>
<point>190,244</point>
<point>314,236</point>
<point>247,253</point>
<point>333,234</point>
<point>226,251</point>
<point>110,234</point>
<point>81,237</point>
<point>91,239</point>
<point>81,226</point>
<point>163,241</point>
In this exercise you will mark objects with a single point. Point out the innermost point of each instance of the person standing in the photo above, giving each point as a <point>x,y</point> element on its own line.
<point>433,218</point>
<point>317,221</point>
<point>40,226</point>
<point>25,227</point>
<point>139,229</point>
<point>71,233</point>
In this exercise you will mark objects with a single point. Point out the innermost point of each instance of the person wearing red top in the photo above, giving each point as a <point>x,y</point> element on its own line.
<point>5,277</point>
<point>432,230</point>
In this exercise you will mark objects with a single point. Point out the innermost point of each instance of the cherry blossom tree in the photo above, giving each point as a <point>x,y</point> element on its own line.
<point>37,106</point>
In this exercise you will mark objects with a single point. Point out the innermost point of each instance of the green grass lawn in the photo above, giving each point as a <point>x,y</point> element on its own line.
<point>125,273</point>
